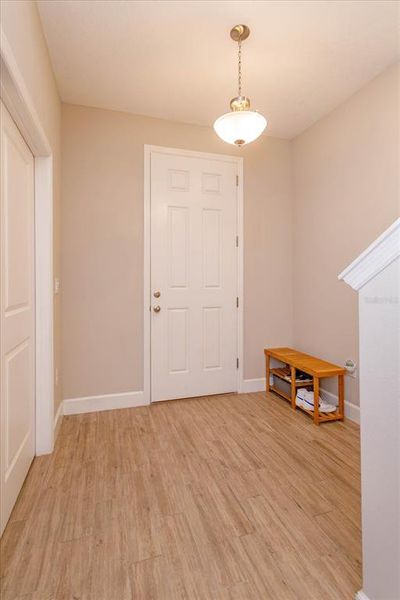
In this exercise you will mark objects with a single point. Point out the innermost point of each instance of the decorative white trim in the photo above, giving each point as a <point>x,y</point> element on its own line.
<point>44,304</point>
<point>240,272</point>
<point>361,596</point>
<point>148,149</point>
<point>58,419</point>
<point>351,411</point>
<point>16,98</point>
<point>146,275</point>
<point>374,259</point>
<point>88,404</point>
<point>253,385</point>
<point>18,102</point>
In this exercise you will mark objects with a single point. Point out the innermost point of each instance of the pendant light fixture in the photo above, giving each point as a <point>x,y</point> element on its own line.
<point>241,125</point>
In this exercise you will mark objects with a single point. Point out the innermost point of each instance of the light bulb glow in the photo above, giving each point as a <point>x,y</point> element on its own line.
<point>240,127</point>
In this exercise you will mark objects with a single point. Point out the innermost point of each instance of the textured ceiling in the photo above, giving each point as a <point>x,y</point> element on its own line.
<point>175,59</point>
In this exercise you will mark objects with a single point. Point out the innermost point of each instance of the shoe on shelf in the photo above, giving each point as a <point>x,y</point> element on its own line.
<point>306,400</point>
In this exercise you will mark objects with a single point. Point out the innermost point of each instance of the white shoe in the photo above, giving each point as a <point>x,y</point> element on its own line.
<point>323,406</point>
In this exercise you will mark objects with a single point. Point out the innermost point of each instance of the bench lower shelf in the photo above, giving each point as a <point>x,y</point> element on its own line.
<point>332,416</point>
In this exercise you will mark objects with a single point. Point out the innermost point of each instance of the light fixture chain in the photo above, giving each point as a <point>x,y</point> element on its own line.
<point>240,67</point>
<point>242,125</point>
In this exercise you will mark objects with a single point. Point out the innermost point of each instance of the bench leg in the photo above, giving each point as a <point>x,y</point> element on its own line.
<point>293,388</point>
<point>341,396</point>
<point>267,369</point>
<point>316,401</point>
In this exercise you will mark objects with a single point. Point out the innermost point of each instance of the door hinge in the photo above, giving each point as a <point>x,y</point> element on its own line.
<point>237,180</point>
<point>237,363</point>
<point>237,241</point>
<point>237,301</point>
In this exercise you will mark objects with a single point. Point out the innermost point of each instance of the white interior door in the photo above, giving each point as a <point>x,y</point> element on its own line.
<point>17,336</point>
<point>194,271</point>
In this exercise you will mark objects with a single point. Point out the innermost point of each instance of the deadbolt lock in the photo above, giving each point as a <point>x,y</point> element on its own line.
<point>157,294</point>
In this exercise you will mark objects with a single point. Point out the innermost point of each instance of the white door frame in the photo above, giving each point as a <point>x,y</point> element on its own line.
<point>148,149</point>
<point>16,99</point>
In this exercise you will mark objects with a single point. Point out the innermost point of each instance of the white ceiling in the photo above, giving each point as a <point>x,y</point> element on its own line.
<point>175,59</point>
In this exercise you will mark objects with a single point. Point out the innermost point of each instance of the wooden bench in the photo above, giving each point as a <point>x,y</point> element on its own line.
<point>316,368</point>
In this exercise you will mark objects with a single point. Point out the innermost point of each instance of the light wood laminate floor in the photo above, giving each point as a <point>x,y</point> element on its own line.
<point>232,497</point>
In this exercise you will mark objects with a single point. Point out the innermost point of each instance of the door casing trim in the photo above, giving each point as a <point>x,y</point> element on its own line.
<point>16,98</point>
<point>148,149</point>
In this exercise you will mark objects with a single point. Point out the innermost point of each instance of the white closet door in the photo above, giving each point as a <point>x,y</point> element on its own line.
<point>194,271</point>
<point>17,314</point>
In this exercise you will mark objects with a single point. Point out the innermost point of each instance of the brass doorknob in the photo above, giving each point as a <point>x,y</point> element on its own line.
<point>157,308</point>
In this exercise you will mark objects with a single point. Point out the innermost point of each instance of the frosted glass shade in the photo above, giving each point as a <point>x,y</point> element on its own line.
<point>240,127</point>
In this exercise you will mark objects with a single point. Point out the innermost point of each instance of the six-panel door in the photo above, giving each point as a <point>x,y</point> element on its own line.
<point>194,270</point>
<point>17,314</point>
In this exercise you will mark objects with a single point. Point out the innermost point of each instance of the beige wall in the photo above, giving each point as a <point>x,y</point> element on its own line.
<point>345,175</point>
<point>102,243</point>
<point>21,25</point>
<point>346,182</point>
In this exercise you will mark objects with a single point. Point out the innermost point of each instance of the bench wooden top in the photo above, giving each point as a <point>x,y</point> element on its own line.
<point>305,362</point>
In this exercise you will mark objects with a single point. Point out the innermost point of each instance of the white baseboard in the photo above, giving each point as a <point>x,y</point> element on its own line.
<point>252,385</point>
<point>361,596</point>
<point>76,406</point>
<point>58,419</point>
<point>87,404</point>
<point>351,411</point>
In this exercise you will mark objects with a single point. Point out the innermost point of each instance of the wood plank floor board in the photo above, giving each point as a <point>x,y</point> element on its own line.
<point>303,576</point>
<point>262,568</point>
<point>11,541</point>
<point>39,595</point>
<point>239,592</point>
<point>231,497</point>
<point>75,569</point>
<point>37,564</point>
<point>277,476</point>
<point>343,497</point>
<point>339,528</point>
<point>242,484</point>
<point>30,494</point>
<point>153,579</point>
